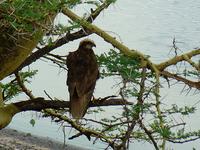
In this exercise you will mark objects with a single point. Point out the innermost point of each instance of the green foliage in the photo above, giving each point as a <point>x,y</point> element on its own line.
<point>25,76</point>
<point>32,122</point>
<point>62,29</point>
<point>182,135</point>
<point>186,110</point>
<point>25,15</point>
<point>112,1</point>
<point>115,63</point>
<point>132,111</point>
<point>72,3</point>
<point>12,88</point>
<point>192,74</point>
<point>163,131</point>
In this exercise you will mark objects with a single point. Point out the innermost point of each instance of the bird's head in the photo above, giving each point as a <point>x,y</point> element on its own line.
<point>87,44</point>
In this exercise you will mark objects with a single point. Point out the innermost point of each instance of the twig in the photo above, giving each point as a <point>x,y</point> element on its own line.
<point>64,134</point>
<point>84,131</point>
<point>124,49</point>
<point>59,63</point>
<point>179,78</point>
<point>184,141</point>
<point>176,59</point>
<point>67,38</point>
<point>48,95</point>
<point>149,134</point>
<point>193,64</point>
<point>23,87</point>
<point>113,102</point>
<point>75,136</point>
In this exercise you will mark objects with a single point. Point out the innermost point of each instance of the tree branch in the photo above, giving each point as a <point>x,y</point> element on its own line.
<point>85,131</point>
<point>66,39</point>
<point>179,78</point>
<point>176,59</point>
<point>149,135</point>
<point>17,44</point>
<point>23,87</point>
<point>183,141</point>
<point>124,49</point>
<point>39,104</point>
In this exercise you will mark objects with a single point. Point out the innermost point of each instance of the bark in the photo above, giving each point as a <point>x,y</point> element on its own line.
<point>17,43</point>
<point>38,104</point>
<point>15,51</point>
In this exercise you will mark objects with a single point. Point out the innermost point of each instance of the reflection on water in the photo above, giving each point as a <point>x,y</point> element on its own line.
<point>145,25</point>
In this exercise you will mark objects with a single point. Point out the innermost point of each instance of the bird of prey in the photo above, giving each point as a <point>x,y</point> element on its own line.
<point>82,76</point>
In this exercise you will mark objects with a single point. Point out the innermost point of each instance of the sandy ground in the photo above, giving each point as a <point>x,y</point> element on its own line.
<point>13,140</point>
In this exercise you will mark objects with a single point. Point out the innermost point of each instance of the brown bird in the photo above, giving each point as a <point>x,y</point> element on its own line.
<point>82,76</point>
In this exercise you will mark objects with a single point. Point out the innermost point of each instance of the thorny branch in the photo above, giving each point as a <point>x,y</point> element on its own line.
<point>184,141</point>
<point>176,59</point>
<point>23,87</point>
<point>84,131</point>
<point>39,104</point>
<point>149,134</point>
<point>155,68</point>
<point>64,40</point>
<point>140,103</point>
<point>179,78</point>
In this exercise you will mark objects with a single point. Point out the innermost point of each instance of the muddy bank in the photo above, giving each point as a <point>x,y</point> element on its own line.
<point>14,140</point>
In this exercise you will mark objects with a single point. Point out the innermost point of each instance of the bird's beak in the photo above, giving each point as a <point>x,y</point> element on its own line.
<point>94,45</point>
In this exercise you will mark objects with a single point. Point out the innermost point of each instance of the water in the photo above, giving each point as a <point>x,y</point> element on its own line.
<point>145,25</point>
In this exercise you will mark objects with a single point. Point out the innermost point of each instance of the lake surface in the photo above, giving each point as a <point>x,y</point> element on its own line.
<point>146,25</point>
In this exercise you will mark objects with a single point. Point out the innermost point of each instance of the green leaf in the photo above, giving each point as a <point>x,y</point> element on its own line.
<point>32,122</point>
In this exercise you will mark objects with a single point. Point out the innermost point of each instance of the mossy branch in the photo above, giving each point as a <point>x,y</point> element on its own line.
<point>145,62</point>
<point>124,49</point>
<point>176,59</point>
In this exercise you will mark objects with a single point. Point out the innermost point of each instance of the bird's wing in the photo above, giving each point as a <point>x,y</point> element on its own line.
<point>82,73</point>
<point>82,76</point>
<point>70,77</point>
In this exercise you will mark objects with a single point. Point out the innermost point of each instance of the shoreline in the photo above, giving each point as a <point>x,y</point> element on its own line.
<point>11,139</point>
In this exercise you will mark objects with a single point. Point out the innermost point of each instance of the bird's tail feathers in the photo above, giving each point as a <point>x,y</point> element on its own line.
<point>78,106</point>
